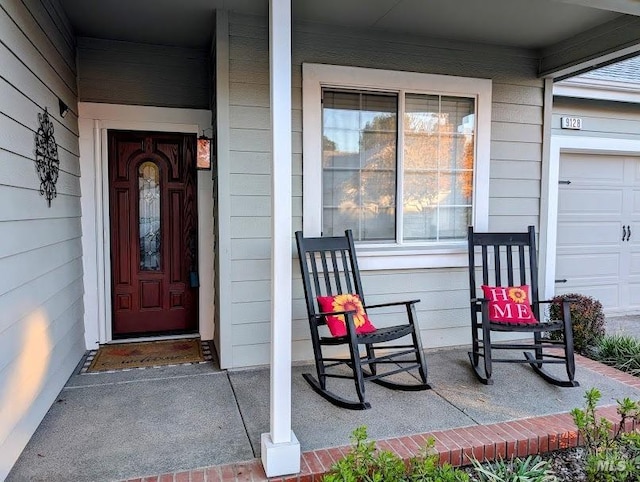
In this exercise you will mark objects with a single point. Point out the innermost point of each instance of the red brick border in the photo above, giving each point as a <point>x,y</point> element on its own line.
<point>519,438</point>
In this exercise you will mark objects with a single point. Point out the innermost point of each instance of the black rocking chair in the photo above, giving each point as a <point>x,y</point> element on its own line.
<point>329,267</point>
<point>511,257</point>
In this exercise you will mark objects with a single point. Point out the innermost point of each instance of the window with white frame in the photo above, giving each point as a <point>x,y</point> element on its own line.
<point>401,158</point>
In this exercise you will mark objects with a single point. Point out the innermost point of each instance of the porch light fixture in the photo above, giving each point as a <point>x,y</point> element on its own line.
<point>64,108</point>
<point>47,162</point>
<point>204,152</point>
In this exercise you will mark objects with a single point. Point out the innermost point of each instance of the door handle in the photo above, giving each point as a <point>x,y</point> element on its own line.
<point>624,232</point>
<point>628,232</point>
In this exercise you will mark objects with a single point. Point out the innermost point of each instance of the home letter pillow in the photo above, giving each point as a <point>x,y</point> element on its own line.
<point>509,304</point>
<point>345,302</point>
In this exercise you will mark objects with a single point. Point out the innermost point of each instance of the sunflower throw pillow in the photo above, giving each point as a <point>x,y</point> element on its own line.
<point>345,302</point>
<point>509,304</point>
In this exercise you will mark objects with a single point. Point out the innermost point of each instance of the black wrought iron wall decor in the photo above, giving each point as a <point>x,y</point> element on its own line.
<point>47,162</point>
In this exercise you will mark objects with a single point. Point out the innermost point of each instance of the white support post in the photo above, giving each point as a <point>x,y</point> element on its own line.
<point>280,447</point>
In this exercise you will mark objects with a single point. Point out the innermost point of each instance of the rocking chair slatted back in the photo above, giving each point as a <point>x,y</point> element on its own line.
<point>333,271</point>
<point>497,251</point>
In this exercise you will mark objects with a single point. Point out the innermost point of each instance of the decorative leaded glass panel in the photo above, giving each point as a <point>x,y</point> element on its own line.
<point>149,221</point>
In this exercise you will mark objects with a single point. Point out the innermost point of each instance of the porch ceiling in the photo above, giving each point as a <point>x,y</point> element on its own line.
<point>568,35</point>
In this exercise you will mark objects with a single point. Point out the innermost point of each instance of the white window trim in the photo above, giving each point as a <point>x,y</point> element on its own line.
<point>317,76</point>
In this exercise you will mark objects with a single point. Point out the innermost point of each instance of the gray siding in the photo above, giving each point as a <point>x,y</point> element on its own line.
<point>41,327</point>
<point>140,74</point>
<point>599,118</point>
<point>515,170</point>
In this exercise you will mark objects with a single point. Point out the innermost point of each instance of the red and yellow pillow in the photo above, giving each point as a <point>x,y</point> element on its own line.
<point>509,304</point>
<point>345,302</point>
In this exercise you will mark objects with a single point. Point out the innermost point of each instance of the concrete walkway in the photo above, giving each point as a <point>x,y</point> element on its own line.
<point>623,325</point>
<point>124,425</point>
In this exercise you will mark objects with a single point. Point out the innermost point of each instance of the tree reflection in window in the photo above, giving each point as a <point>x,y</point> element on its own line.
<point>149,216</point>
<point>438,167</point>
<point>369,185</point>
<point>359,164</point>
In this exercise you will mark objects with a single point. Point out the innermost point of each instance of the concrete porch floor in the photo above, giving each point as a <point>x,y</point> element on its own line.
<point>138,423</point>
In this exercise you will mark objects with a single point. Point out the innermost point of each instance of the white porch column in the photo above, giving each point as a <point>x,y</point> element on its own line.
<point>280,447</point>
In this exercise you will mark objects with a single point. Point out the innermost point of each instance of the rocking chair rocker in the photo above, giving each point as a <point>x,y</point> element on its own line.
<point>505,307</point>
<point>329,268</point>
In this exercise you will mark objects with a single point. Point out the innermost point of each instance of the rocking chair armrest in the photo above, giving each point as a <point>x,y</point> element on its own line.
<point>392,303</point>
<point>479,300</point>
<point>478,303</point>
<point>348,320</point>
<point>322,314</point>
<point>564,300</point>
<point>566,307</point>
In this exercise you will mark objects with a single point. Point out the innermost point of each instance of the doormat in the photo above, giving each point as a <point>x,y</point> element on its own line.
<point>126,356</point>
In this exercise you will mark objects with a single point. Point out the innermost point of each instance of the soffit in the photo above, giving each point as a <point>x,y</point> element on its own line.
<point>189,23</point>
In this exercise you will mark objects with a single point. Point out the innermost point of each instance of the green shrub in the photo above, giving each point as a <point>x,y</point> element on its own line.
<point>531,469</point>
<point>621,352</point>
<point>426,468</point>
<point>611,465</point>
<point>587,320</point>
<point>611,456</point>
<point>364,463</point>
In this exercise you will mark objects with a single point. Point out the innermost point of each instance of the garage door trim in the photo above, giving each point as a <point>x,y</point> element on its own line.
<point>549,199</point>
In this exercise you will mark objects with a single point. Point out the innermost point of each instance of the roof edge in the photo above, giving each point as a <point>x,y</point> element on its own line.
<point>598,89</point>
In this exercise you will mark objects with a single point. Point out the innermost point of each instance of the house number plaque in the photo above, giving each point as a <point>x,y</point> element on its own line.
<point>571,123</point>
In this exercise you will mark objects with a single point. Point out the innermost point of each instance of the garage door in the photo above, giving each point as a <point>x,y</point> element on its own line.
<point>598,251</point>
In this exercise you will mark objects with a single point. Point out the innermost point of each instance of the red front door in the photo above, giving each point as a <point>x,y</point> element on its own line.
<point>152,192</point>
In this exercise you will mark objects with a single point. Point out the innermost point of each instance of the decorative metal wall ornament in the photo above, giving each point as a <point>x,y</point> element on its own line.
<point>47,162</point>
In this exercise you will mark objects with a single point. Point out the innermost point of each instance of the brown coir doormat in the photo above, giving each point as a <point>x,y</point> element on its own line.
<point>146,354</point>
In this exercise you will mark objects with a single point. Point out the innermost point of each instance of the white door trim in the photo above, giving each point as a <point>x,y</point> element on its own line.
<point>94,121</point>
<point>549,199</point>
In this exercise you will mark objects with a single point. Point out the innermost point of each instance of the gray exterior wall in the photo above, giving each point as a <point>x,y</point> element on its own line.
<point>516,153</point>
<point>41,321</point>
<point>116,72</point>
<point>599,118</point>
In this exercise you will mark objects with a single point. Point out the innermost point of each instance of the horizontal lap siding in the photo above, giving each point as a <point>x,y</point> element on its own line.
<point>516,153</point>
<point>41,327</point>
<point>140,74</point>
<point>515,173</point>
<point>599,118</point>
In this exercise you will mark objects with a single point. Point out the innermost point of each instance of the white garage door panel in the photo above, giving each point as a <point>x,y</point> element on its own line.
<point>588,266</point>
<point>601,197</point>
<point>589,167</point>
<point>636,202</point>
<point>590,201</point>
<point>598,234</point>
<point>634,295</point>
<point>634,266</point>
<point>633,170</point>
